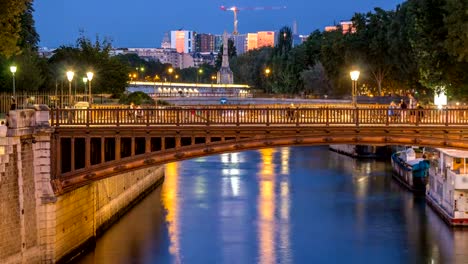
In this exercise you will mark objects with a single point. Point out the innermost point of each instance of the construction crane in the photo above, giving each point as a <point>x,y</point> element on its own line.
<point>236,9</point>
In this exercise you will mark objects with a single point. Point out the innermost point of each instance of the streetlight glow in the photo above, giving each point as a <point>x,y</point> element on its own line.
<point>70,75</point>
<point>13,69</point>
<point>354,75</point>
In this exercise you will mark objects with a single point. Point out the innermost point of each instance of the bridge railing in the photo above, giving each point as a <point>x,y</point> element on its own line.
<point>237,116</point>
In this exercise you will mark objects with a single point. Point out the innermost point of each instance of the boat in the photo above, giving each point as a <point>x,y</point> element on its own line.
<point>447,190</point>
<point>411,169</point>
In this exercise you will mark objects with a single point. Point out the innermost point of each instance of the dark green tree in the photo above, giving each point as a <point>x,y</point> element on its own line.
<point>11,12</point>
<point>456,21</point>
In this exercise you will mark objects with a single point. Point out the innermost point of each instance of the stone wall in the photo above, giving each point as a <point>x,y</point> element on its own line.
<point>36,226</point>
<point>89,210</point>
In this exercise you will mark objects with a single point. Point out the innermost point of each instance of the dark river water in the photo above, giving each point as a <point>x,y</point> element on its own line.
<point>282,205</point>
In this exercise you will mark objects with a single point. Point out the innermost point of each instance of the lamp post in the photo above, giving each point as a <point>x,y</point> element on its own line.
<point>199,72</point>
<point>90,76</point>
<point>85,81</point>
<point>170,71</point>
<point>267,74</point>
<point>13,69</point>
<point>213,77</point>
<point>354,77</point>
<point>70,78</point>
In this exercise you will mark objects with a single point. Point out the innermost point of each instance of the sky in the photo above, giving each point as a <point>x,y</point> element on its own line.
<point>142,23</point>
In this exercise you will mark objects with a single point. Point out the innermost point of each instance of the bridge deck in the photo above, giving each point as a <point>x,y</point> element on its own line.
<point>91,144</point>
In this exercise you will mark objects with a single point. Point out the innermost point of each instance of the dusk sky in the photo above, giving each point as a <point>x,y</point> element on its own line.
<point>142,23</point>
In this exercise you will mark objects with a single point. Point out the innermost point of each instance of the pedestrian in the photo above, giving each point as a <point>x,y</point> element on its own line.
<point>13,104</point>
<point>391,110</point>
<point>412,106</point>
<point>403,106</point>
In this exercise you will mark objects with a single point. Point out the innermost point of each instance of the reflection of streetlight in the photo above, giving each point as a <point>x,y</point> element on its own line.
<point>70,78</point>
<point>13,71</point>
<point>354,77</point>
<point>90,76</point>
<point>85,80</point>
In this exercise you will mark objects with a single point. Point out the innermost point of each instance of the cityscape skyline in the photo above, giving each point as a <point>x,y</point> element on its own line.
<point>60,22</point>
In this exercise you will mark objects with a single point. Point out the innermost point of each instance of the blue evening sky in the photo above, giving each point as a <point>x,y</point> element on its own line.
<point>142,23</point>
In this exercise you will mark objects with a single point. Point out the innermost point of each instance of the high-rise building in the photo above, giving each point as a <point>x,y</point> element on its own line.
<point>218,42</point>
<point>346,27</point>
<point>251,41</point>
<point>265,39</point>
<point>239,43</point>
<point>204,42</point>
<point>182,41</point>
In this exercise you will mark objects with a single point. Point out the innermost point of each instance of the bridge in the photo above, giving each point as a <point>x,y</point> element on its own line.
<point>92,144</point>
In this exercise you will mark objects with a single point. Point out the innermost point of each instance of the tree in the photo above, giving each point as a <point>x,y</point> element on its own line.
<point>315,80</point>
<point>11,12</point>
<point>110,74</point>
<point>29,38</point>
<point>456,21</point>
<point>284,41</point>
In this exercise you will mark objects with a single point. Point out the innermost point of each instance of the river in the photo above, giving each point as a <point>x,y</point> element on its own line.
<point>281,205</point>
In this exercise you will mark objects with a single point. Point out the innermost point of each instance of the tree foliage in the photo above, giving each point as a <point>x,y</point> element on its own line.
<point>110,74</point>
<point>422,46</point>
<point>11,12</point>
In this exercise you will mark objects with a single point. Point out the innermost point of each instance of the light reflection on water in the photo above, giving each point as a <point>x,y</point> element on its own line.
<point>283,205</point>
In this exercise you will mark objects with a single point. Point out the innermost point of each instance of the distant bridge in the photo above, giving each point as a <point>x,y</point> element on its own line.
<point>92,144</point>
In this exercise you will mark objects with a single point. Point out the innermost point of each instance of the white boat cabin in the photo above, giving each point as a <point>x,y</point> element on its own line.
<point>448,181</point>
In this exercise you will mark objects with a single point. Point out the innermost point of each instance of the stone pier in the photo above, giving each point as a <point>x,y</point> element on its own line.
<point>38,226</point>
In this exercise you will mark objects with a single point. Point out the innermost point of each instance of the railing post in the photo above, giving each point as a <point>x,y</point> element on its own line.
<point>178,116</point>
<point>118,116</point>
<point>356,114</point>
<point>446,116</point>
<point>297,114</point>
<point>417,116</point>
<point>267,116</point>
<point>327,116</point>
<point>88,113</point>
<point>388,116</point>
<point>207,116</point>
<point>146,112</point>
<point>237,116</point>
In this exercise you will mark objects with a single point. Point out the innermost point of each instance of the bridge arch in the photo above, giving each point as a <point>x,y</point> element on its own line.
<point>218,140</point>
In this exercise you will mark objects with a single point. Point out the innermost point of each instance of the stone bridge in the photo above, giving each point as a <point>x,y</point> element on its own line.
<point>92,144</point>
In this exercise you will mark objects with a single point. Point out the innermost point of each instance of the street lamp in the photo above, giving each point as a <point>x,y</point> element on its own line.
<point>90,76</point>
<point>354,77</point>
<point>70,78</point>
<point>85,80</point>
<point>200,72</point>
<point>13,69</point>
<point>170,71</point>
<point>267,73</point>
<point>213,78</point>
